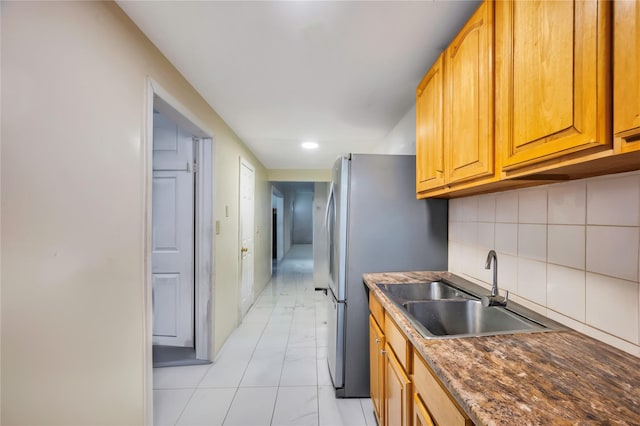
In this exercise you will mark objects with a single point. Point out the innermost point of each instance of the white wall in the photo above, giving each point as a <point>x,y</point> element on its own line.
<point>569,251</point>
<point>288,197</point>
<point>74,88</point>
<point>401,140</point>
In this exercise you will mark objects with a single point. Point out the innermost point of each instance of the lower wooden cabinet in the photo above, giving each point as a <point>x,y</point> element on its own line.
<point>397,389</point>
<point>436,401</point>
<point>404,390</point>
<point>376,367</point>
<point>421,415</point>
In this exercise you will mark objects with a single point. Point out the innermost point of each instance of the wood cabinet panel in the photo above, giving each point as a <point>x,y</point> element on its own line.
<point>443,410</point>
<point>398,343</point>
<point>397,392</point>
<point>421,415</point>
<point>376,310</point>
<point>552,90</point>
<point>468,99</point>
<point>376,368</point>
<point>626,75</point>
<point>429,130</point>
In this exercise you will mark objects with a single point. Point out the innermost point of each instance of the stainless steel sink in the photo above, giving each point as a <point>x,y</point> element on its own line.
<point>465,318</point>
<point>435,290</point>
<point>451,308</point>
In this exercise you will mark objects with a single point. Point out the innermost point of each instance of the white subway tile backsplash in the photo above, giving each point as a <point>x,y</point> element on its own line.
<point>487,208</point>
<point>566,291</point>
<point>469,232</point>
<point>455,209</point>
<point>482,273</point>
<point>508,272</point>
<point>567,203</point>
<point>612,306</point>
<point>486,235</point>
<point>607,338</point>
<point>468,260</point>
<point>570,251</point>
<point>532,206</point>
<point>454,231</point>
<point>532,241</point>
<point>566,245</point>
<point>507,238</point>
<point>532,280</point>
<point>614,201</point>
<point>507,207</point>
<point>455,259</point>
<point>469,209</point>
<point>613,251</point>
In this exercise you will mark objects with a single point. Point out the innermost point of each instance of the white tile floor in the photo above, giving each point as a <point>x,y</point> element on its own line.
<point>271,371</point>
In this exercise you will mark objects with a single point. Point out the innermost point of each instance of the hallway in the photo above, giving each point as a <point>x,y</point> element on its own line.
<point>272,369</point>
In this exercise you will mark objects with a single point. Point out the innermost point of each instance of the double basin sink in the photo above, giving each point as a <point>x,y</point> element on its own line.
<point>443,310</point>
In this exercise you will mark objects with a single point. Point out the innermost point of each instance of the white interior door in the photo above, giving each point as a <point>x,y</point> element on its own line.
<point>173,234</point>
<point>247,190</point>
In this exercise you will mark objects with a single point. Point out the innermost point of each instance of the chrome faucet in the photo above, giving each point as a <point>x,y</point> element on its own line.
<point>494,299</point>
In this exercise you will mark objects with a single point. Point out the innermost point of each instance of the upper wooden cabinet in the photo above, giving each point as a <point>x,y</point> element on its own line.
<point>429,126</point>
<point>454,109</point>
<point>626,75</point>
<point>468,99</point>
<point>552,85</point>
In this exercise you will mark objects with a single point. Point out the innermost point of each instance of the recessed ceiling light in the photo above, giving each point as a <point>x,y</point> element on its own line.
<point>309,145</point>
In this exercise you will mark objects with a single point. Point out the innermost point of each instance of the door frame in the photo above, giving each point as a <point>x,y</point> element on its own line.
<point>245,162</point>
<point>204,271</point>
<point>278,197</point>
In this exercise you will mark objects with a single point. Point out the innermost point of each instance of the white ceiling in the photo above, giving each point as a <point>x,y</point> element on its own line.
<point>281,72</point>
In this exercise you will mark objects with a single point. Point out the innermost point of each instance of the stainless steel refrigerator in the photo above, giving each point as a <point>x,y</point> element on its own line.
<point>374,224</point>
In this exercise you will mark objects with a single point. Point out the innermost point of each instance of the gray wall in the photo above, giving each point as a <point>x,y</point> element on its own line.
<point>302,232</point>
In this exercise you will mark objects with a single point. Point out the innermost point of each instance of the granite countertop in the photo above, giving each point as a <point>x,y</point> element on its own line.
<point>559,377</point>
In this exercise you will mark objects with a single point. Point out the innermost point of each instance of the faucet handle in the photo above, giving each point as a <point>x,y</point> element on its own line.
<point>488,301</point>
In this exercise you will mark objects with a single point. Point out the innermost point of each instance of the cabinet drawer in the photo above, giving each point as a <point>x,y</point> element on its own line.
<point>376,310</point>
<point>398,342</point>
<point>440,405</point>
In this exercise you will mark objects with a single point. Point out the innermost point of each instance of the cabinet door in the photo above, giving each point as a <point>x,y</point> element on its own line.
<point>552,83</point>
<point>376,366</point>
<point>429,124</point>
<point>626,72</point>
<point>468,99</point>
<point>442,409</point>
<point>397,392</point>
<point>421,416</point>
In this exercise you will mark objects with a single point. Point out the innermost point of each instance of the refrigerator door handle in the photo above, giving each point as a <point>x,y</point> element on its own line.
<point>329,200</point>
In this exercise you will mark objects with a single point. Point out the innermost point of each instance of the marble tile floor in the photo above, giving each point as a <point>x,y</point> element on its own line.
<point>271,371</point>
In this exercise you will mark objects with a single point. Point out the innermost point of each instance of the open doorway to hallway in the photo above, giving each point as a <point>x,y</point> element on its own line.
<point>299,218</point>
<point>181,241</point>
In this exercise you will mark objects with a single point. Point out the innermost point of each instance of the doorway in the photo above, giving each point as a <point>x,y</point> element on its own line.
<point>173,237</point>
<point>247,217</point>
<point>300,209</point>
<point>277,232</point>
<point>180,238</point>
